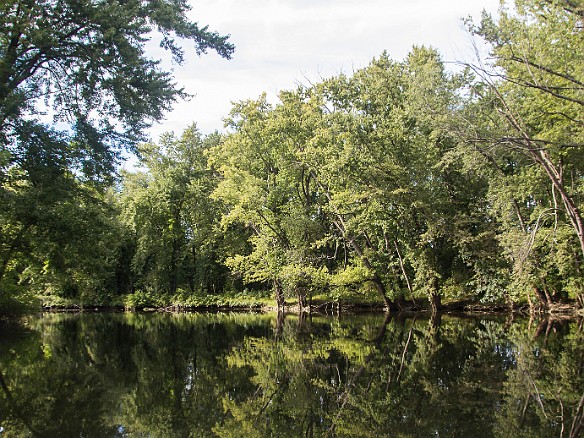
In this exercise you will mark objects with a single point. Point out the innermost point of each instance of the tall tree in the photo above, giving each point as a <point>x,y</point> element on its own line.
<point>347,180</point>
<point>531,130</point>
<point>76,88</point>
<point>168,208</point>
<point>83,62</point>
<point>268,189</point>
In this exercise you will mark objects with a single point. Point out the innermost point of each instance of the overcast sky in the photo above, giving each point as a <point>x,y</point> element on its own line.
<point>280,43</point>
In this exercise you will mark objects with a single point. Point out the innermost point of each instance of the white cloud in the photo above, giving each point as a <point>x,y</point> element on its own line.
<point>280,42</point>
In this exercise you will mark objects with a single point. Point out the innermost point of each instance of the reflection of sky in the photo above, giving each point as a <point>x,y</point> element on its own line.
<point>284,42</point>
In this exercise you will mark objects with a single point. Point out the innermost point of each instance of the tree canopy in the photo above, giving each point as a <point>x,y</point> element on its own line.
<point>402,184</point>
<point>76,89</point>
<point>83,65</point>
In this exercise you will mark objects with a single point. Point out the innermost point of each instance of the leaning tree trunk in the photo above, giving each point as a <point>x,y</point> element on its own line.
<point>555,175</point>
<point>541,157</point>
<point>389,305</point>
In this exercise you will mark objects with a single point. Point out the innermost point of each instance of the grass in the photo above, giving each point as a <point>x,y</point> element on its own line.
<point>146,299</point>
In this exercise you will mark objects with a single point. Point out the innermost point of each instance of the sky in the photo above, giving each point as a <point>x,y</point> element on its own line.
<point>283,43</point>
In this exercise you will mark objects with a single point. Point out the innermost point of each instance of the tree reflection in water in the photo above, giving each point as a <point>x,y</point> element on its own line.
<point>251,375</point>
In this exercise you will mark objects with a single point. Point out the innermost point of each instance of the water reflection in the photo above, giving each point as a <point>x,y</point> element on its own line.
<point>244,375</point>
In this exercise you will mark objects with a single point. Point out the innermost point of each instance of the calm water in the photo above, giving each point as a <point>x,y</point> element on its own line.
<point>243,375</point>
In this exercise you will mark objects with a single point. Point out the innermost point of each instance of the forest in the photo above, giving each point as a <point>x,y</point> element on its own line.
<point>403,185</point>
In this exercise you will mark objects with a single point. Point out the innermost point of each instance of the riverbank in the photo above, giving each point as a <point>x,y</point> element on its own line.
<point>262,301</point>
<point>320,307</point>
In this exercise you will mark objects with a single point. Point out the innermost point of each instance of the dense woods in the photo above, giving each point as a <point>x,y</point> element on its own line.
<point>403,184</point>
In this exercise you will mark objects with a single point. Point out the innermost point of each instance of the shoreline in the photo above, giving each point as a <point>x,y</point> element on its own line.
<point>333,308</point>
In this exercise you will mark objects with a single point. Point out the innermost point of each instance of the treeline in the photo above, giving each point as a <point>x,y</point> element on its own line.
<point>403,179</point>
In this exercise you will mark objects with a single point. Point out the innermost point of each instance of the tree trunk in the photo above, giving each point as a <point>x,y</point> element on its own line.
<point>548,296</point>
<point>541,296</point>
<point>279,293</point>
<point>403,269</point>
<point>389,305</point>
<point>540,156</point>
<point>302,303</point>
<point>555,175</point>
<point>435,297</point>
<point>435,302</point>
<point>531,305</point>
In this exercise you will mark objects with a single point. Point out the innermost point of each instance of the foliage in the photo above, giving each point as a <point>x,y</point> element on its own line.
<point>525,121</point>
<point>404,179</point>
<point>348,177</point>
<point>172,218</point>
<point>76,89</point>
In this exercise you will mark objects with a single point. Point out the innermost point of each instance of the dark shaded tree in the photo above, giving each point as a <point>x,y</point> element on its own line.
<point>76,89</point>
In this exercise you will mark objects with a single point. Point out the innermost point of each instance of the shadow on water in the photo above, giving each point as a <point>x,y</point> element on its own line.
<point>239,375</point>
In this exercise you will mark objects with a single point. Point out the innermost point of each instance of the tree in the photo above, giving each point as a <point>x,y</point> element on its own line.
<point>350,180</point>
<point>59,236</point>
<point>84,62</point>
<point>398,199</point>
<point>266,188</point>
<point>76,88</point>
<point>531,131</point>
<point>173,220</point>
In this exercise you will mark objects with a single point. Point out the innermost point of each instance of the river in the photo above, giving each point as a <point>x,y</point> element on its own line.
<point>257,375</point>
